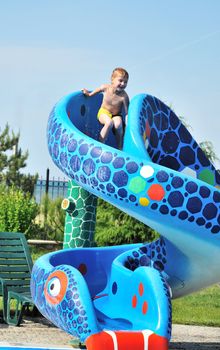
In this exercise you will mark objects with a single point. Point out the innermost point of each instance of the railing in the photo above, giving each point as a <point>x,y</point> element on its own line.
<point>54,188</point>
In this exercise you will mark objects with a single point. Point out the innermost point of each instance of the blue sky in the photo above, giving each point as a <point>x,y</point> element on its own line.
<point>49,48</point>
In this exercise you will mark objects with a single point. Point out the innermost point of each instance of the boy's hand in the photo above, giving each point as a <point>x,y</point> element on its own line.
<point>85,92</point>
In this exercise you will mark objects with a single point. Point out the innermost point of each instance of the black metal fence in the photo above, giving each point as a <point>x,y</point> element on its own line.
<point>54,187</point>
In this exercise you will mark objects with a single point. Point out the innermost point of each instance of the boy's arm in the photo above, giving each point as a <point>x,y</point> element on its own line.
<point>94,92</point>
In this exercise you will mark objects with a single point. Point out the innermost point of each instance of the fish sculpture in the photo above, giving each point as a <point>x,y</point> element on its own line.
<point>120,297</point>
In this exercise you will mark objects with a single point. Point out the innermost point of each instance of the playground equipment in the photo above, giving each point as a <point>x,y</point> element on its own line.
<point>119,297</point>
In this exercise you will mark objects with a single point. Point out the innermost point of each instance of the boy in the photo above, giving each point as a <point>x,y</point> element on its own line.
<point>114,99</point>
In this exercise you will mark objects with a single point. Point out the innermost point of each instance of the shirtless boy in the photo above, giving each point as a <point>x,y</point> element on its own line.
<point>114,100</point>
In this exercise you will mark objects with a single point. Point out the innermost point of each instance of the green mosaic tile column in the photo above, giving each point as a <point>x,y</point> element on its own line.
<point>80,206</point>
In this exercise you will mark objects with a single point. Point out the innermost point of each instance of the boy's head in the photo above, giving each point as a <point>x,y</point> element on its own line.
<point>120,71</point>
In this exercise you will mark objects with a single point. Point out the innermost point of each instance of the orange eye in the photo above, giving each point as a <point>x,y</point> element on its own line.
<point>56,286</point>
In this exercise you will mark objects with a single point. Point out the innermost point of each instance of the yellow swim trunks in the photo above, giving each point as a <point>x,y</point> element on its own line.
<point>106,112</point>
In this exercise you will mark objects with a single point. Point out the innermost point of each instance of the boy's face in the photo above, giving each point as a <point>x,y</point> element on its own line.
<point>119,82</point>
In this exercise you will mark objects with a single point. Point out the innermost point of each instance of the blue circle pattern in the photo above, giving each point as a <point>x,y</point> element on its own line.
<point>170,143</point>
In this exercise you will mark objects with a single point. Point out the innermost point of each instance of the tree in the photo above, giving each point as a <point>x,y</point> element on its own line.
<point>12,159</point>
<point>17,210</point>
<point>114,227</point>
<point>208,149</point>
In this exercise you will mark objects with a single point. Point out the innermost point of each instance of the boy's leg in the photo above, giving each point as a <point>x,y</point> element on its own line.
<point>108,124</point>
<point>117,121</point>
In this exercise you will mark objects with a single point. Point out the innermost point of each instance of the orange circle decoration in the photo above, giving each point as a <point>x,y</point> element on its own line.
<point>141,289</point>
<point>144,307</point>
<point>55,287</point>
<point>156,192</point>
<point>134,301</point>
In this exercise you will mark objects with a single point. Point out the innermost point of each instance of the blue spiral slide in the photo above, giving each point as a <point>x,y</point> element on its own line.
<point>121,299</point>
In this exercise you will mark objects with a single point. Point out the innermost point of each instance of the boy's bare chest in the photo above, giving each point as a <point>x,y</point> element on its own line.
<point>113,99</point>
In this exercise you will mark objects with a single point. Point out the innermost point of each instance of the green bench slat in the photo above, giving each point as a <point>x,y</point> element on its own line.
<point>10,255</point>
<point>12,249</point>
<point>18,282</point>
<point>13,268</point>
<point>13,262</point>
<point>15,275</point>
<point>10,242</point>
<point>8,235</point>
<point>20,290</point>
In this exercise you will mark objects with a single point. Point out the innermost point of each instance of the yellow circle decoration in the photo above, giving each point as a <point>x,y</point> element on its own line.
<point>144,201</point>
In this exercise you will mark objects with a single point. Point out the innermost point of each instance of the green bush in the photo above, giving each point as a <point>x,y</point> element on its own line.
<point>114,227</point>
<point>17,210</point>
<point>51,219</point>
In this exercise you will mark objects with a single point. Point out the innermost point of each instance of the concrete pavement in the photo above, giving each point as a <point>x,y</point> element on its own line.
<point>39,332</point>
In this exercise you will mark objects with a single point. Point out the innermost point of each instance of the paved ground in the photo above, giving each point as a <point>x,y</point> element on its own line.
<point>40,332</point>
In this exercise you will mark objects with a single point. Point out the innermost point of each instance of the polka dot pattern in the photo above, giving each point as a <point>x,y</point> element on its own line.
<point>152,254</point>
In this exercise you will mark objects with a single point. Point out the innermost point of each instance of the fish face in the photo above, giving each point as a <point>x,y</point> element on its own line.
<point>62,296</point>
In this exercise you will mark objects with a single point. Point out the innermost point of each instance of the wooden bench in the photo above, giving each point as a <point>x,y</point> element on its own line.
<point>15,274</point>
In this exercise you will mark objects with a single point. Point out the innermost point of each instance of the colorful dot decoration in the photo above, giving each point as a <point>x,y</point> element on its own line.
<point>134,301</point>
<point>144,307</point>
<point>146,171</point>
<point>144,201</point>
<point>138,299</point>
<point>156,192</point>
<point>141,289</point>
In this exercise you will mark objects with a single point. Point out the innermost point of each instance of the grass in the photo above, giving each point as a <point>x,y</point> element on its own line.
<point>36,252</point>
<point>201,308</point>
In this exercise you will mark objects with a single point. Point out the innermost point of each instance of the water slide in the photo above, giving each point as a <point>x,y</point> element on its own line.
<point>120,297</point>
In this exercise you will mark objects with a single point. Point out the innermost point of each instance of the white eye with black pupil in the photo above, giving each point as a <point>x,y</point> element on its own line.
<point>54,287</point>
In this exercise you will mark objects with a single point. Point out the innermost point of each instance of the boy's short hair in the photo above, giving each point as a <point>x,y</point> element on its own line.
<point>120,71</point>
